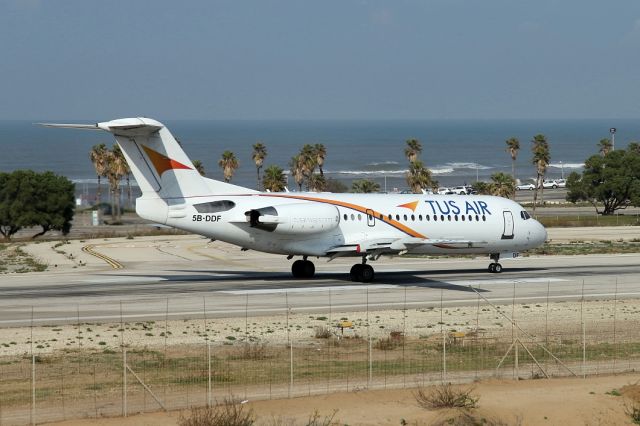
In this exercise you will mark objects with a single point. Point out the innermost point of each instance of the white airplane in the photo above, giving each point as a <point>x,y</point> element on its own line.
<point>365,226</point>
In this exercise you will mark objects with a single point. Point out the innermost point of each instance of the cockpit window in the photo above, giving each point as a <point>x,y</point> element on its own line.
<point>215,206</point>
<point>525,215</point>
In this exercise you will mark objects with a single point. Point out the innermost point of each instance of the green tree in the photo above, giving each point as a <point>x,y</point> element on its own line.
<point>229,164</point>
<point>98,156</point>
<point>335,186</point>
<point>413,150</point>
<point>605,146</point>
<point>197,164</point>
<point>29,199</point>
<point>317,182</point>
<point>611,182</point>
<point>502,185</point>
<point>513,146</point>
<point>419,177</point>
<point>365,186</point>
<point>541,159</point>
<point>258,156</point>
<point>116,169</point>
<point>482,188</point>
<point>55,203</point>
<point>274,179</point>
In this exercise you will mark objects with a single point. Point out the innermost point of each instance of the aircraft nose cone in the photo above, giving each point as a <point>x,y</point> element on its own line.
<point>541,233</point>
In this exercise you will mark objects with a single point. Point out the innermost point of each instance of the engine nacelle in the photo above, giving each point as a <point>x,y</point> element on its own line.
<point>298,219</point>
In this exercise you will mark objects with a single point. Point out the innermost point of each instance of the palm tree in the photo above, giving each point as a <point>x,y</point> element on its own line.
<point>541,159</point>
<point>98,157</point>
<point>124,167</point>
<point>321,153</point>
<point>317,183</point>
<point>502,185</point>
<point>297,170</point>
<point>116,168</point>
<point>605,146</point>
<point>274,179</point>
<point>258,156</point>
<point>365,186</point>
<point>413,150</point>
<point>513,146</point>
<point>197,164</point>
<point>229,164</point>
<point>418,177</point>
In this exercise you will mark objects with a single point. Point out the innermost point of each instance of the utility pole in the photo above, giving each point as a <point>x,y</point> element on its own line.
<point>612,130</point>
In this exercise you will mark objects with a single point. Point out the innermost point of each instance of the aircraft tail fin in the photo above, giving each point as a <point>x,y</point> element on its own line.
<point>158,163</point>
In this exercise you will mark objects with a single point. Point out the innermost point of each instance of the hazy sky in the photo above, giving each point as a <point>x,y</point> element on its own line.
<point>325,59</point>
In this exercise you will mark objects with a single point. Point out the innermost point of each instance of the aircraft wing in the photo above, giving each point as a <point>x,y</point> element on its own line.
<point>401,245</point>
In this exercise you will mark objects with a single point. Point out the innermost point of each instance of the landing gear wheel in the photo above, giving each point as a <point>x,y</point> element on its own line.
<point>361,273</point>
<point>495,268</point>
<point>303,269</point>
<point>356,272</point>
<point>366,274</point>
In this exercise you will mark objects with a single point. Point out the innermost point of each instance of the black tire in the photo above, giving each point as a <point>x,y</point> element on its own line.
<point>356,272</point>
<point>297,268</point>
<point>497,268</point>
<point>308,269</point>
<point>367,274</point>
<point>491,268</point>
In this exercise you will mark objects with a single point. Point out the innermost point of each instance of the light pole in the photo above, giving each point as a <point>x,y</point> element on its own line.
<point>612,130</point>
<point>562,169</point>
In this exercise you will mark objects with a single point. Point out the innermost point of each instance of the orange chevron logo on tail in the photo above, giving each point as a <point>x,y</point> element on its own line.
<point>412,205</point>
<point>162,163</point>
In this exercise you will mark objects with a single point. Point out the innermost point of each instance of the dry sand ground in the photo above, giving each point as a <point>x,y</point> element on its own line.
<point>534,402</point>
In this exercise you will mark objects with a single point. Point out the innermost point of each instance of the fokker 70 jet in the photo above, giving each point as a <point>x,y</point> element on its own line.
<point>306,225</point>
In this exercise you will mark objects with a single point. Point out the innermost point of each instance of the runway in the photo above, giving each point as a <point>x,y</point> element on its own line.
<point>223,282</point>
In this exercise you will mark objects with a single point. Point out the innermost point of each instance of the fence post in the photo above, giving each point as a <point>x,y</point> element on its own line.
<point>124,382</point>
<point>33,388</point>
<point>286,298</point>
<point>370,377</point>
<point>615,310</point>
<point>209,377</point>
<point>584,336</point>
<point>444,340</point>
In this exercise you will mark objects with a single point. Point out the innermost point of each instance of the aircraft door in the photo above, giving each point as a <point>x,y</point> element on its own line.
<point>507,233</point>
<point>371,219</point>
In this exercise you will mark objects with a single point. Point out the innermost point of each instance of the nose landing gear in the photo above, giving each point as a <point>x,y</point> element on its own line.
<point>495,267</point>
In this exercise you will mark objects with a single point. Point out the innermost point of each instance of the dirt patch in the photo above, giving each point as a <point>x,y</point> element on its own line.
<point>534,402</point>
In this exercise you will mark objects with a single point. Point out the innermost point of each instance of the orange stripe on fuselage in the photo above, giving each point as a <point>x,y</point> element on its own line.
<point>377,215</point>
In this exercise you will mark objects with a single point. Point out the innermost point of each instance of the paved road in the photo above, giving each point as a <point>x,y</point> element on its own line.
<point>225,284</point>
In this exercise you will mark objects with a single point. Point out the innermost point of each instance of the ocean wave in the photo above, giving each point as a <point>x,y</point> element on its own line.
<point>566,165</point>
<point>442,171</point>
<point>383,163</point>
<point>366,172</point>
<point>472,166</point>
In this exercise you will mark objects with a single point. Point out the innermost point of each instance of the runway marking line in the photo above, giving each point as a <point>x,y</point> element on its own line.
<point>112,262</point>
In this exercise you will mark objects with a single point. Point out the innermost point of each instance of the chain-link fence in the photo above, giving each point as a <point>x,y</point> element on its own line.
<point>62,369</point>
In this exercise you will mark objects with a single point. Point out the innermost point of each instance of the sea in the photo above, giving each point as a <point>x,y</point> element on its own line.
<point>457,151</point>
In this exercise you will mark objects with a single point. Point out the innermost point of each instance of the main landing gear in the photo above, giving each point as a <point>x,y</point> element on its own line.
<point>361,272</point>
<point>495,267</point>
<point>303,268</point>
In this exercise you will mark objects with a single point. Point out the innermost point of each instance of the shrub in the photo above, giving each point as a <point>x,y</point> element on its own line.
<point>322,332</point>
<point>229,413</point>
<point>445,396</point>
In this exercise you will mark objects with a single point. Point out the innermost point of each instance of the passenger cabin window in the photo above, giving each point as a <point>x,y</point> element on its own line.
<point>215,206</point>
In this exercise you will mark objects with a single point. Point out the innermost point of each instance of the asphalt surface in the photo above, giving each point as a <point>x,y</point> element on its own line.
<point>178,281</point>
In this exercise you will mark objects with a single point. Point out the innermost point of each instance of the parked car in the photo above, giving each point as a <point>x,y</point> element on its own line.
<point>525,187</point>
<point>549,184</point>
<point>460,190</point>
<point>444,191</point>
<point>562,183</point>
